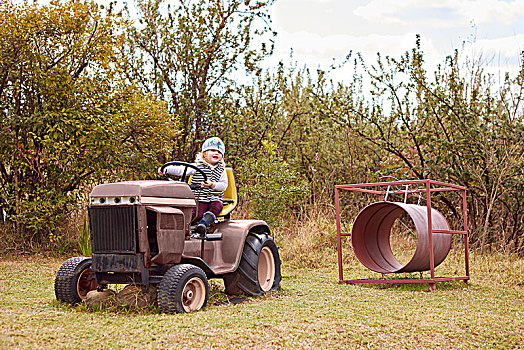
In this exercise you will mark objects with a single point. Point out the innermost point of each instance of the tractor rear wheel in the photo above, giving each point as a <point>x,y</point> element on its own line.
<point>184,288</point>
<point>74,280</point>
<point>259,268</point>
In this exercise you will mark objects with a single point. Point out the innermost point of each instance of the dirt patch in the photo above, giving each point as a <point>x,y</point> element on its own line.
<point>129,297</point>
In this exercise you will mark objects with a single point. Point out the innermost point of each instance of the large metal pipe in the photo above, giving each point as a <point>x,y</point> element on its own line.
<point>370,237</point>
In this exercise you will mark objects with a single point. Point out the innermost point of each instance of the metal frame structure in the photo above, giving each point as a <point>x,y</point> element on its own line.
<point>426,187</point>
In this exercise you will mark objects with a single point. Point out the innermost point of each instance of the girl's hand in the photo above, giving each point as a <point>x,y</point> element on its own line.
<point>208,184</point>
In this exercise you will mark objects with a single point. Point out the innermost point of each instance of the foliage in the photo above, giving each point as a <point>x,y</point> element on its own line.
<point>456,127</point>
<point>88,95</point>
<point>287,106</point>
<point>253,116</point>
<point>65,119</point>
<point>313,141</point>
<point>269,185</point>
<point>84,244</point>
<point>188,53</point>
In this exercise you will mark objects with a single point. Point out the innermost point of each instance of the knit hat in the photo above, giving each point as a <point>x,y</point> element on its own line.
<point>214,143</point>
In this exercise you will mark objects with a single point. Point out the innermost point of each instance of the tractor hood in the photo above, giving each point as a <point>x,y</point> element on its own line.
<point>144,191</point>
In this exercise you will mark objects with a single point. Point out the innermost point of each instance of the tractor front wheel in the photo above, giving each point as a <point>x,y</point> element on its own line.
<point>184,288</point>
<point>74,280</point>
<point>259,268</point>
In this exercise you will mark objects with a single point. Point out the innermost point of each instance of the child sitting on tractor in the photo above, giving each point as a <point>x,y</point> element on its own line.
<point>211,192</point>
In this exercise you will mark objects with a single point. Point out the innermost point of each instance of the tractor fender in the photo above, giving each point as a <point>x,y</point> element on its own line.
<point>224,256</point>
<point>198,262</point>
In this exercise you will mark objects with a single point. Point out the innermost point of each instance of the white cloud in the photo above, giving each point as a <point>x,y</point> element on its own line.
<point>323,32</point>
<point>446,13</point>
<point>315,51</point>
<point>510,46</point>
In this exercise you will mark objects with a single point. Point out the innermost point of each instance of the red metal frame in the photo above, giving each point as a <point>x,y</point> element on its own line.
<point>365,188</point>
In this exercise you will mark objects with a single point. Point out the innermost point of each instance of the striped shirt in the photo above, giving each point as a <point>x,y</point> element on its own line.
<point>216,174</point>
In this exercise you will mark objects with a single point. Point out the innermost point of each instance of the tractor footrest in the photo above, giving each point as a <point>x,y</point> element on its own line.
<point>208,236</point>
<point>213,237</point>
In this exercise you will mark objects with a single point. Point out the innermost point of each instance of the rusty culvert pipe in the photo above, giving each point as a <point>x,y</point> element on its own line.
<point>372,229</point>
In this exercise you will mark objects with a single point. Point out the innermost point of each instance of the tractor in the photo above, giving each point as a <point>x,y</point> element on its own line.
<point>142,234</point>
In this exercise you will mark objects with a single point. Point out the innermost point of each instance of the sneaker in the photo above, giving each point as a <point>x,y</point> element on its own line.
<point>201,229</point>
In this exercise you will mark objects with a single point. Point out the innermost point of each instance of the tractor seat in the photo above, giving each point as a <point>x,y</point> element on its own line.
<point>230,195</point>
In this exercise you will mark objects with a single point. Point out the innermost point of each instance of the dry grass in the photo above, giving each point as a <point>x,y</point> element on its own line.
<point>310,241</point>
<point>311,311</point>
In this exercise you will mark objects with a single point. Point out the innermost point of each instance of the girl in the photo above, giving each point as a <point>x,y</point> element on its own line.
<point>211,192</point>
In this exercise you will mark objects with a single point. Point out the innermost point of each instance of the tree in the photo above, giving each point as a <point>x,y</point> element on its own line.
<point>65,120</point>
<point>191,53</point>
<point>271,187</point>
<point>458,127</point>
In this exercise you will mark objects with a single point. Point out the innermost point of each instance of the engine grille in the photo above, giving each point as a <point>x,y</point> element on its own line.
<point>113,229</point>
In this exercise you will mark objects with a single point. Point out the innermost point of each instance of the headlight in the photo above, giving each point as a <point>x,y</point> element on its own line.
<point>114,200</point>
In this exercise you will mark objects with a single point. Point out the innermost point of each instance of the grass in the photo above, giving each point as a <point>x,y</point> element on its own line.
<point>310,311</point>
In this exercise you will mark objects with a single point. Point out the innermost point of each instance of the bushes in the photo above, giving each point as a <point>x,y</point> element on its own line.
<point>73,115</point>
<point>269,186</point>
<point>456,125</point>
<point>66,119</point>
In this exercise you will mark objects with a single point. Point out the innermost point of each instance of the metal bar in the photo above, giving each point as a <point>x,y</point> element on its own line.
<point>423,190</point>
<point>346,234</point>
<point>442,189</point>
<point>388,281</point>
<point>339,235</point>
<point>404,281</point>
<point>452,232</point>
<point>356,189</point>
<point>342,187</point>
<point>457,187</point>
<point>430,236</point>
<point>387,193</point>
<point>466,236</point>
<point>449,279</point>
<point>393,183</point>
<point>376,184</point>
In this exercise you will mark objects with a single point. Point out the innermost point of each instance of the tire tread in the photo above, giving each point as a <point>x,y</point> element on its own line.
<point>65,281</point>
<point>169,300</point>
<point>245,279</point>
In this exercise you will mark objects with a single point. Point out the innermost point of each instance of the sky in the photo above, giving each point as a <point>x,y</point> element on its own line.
<point>319,31</point>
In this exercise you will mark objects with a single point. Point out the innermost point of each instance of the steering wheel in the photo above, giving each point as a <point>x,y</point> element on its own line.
<point>184,177</point>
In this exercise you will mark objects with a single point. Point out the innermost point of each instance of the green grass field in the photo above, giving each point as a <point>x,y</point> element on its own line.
<point>310,311</point>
